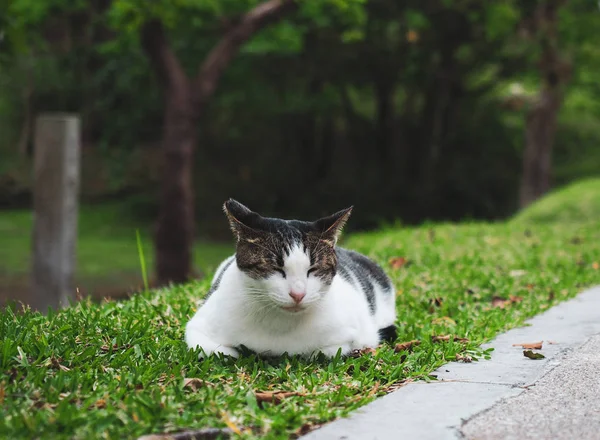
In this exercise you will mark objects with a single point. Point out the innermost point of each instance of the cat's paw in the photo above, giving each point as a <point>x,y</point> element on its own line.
<point>227,351</point>
<point>331,351</point>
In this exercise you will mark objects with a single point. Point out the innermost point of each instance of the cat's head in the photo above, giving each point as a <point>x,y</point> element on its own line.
<point>291,262</point>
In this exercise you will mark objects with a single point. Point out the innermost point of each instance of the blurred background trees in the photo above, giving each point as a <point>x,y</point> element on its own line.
<point>415,110</point>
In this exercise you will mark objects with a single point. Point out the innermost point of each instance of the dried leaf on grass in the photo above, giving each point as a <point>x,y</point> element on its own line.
<point>464,358</point>
<point>275,397</point>
<point>200,434</point>
<point>307,427</point>
<point>443,338</point>
<point>595,265</point>
<point>194,383</point>
<point>397,262</point>
<point>530,345</point>
<point>531,355</point>
<point>56,363</point>
<point>115,347</point>
<point>406,345</point>
<point>499,302</point>
<point>358,353</point>
<point>100,404</point>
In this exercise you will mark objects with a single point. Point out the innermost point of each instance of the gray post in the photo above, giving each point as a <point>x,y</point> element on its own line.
<point>55,194</point>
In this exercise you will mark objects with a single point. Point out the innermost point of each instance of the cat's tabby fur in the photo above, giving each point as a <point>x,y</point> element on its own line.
<point>289,288</point>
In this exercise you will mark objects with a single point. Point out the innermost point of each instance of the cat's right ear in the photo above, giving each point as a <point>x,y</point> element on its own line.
<point>240,218</point>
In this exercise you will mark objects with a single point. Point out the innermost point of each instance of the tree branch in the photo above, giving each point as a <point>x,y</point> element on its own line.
<point>161,56</point>
<point>220,57</point>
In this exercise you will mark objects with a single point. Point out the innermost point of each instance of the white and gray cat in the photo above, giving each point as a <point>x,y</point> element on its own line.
<point>290,289</point>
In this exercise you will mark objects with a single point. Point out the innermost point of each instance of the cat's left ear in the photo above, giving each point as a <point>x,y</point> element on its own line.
<point>329,228</point>
<point>241,219</point>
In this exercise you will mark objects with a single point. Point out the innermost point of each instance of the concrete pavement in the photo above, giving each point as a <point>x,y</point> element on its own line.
<point>509,396</point>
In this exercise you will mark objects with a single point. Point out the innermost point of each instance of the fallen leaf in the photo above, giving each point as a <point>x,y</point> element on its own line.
<point>201,434</point>
<point>515,299</point>
<point>275,397</point>
<point>499,302</point>
<point>406,345</point>
<point>530,345</point>
<point>464,358</point>
<point>361,352</point>
<point>368,350</point>
<point>115,347</point>
<point>443,338</point>
<point>397,262</point>
<point>435,302</point>
<point>595,265</point>
<point>306,428</point>
<point>194,383</point>
<point>531,355</point>
<point>100,403</point>
<point>440,338</point>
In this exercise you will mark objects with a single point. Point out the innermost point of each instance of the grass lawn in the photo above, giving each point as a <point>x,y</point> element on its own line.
<point>107,255</point>
<point>119,369</point>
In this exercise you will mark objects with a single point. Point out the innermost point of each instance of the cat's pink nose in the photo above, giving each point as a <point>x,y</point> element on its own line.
<point>297,297</point>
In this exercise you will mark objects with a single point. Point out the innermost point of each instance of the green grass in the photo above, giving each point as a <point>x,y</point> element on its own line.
<point>577,202</point>
<point>116,370</point>
<point>107,249</point>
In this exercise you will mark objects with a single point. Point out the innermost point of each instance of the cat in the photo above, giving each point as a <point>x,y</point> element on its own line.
<point>290,289</point>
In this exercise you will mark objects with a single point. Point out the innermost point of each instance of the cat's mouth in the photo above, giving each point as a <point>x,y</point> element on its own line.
<point>294,308</point>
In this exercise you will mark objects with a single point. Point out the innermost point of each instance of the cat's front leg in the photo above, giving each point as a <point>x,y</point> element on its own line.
<point>197,339</point>
<point>332,350</point>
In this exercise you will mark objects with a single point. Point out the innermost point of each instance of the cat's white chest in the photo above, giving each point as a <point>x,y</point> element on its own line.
<point>301,333</point>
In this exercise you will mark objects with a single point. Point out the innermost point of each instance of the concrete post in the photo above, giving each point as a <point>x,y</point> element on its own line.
<point>55,206</point>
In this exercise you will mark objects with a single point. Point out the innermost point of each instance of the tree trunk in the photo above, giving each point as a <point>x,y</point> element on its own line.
<point>539,138</point>
<point>541,120</point>
<point>185,102</point>
<point>175,227</point>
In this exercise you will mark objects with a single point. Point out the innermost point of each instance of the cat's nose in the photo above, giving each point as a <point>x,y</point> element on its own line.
<point>297,297</point>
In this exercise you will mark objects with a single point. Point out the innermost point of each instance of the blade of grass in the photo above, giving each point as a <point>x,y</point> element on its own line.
<point>142,259</point>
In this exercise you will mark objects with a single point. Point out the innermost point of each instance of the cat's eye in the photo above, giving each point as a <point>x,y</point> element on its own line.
<point>311,270</point>
<point>281,271</point>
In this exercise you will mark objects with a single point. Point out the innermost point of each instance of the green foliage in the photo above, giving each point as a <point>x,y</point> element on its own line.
<point>393,106</point>
<point>578,202</point>
<point>117,369</point>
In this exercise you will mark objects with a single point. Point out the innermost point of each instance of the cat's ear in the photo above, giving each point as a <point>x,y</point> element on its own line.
<point>241,219</point>
<point>329,228</point>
